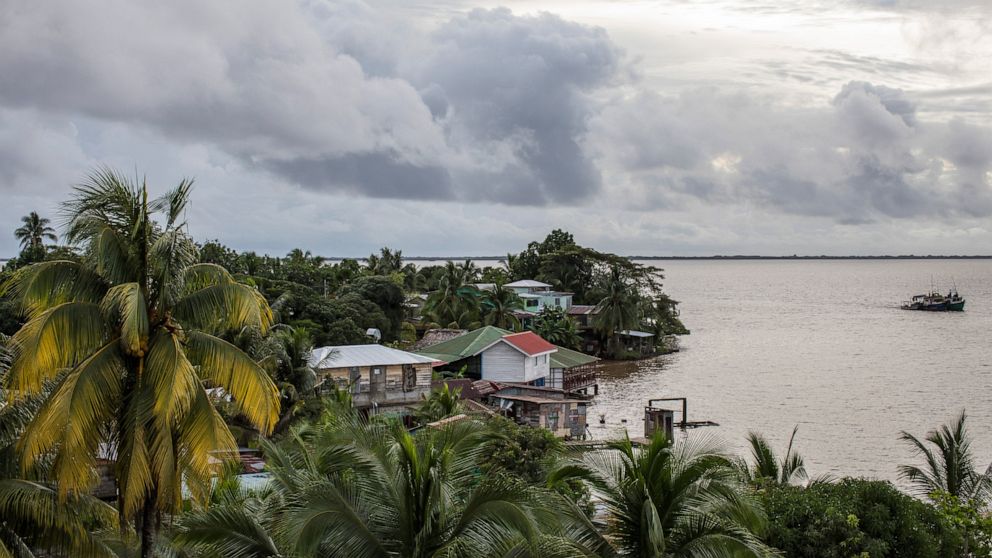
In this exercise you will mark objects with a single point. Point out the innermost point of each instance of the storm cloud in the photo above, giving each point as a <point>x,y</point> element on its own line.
<point>472,114</point>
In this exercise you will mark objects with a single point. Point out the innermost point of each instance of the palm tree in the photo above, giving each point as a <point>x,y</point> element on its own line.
<point>555,325</point>
<point>32,517</point>
<point>949,464</point>
<point>441,403</point>
<point>34,232</point>
<point>673,500</point>
<point>617,310</point>
<point>767,468</point>
<point>354,488</point>
<point>129,339</point>
<point>456,303</point>
<point>498,305</point>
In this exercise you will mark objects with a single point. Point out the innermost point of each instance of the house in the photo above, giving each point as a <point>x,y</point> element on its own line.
<point>537,295</point>
<point>640,342</point>
<point>482,357</point>
<point>491,353</point>
<point>573,371</point>
<point>562,413</point>
<point>583,314</point>
<point>375,375</point>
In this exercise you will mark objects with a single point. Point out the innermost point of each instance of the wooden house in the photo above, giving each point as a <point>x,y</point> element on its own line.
<point>562,413</point>
<point>375,375</point>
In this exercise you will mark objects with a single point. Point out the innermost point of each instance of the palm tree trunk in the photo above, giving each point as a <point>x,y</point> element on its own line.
<point>149,528</point>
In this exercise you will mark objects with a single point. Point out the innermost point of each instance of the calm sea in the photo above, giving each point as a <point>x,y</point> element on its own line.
<point>822,345</point>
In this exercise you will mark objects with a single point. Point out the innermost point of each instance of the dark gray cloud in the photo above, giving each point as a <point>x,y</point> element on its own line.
<point>333,95</point>
<point>486,108</point>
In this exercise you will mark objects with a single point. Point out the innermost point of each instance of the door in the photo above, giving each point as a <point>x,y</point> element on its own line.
<point>377,383</point>
<point>355,379</point>
<point>409,377</point>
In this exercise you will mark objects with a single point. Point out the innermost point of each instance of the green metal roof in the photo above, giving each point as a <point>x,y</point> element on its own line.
<point>471,343</point>
<point>567,358</point>
<point>464,346</point>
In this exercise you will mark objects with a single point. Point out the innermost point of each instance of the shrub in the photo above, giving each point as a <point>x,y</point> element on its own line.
<point>855,517</point>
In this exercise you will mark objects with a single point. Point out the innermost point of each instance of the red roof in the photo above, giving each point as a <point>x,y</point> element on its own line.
<point>529,342</point>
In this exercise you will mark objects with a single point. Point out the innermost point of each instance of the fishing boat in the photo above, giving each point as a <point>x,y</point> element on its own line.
<point>936,302</point>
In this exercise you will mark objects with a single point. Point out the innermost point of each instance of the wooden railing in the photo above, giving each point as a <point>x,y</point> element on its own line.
<point>578,379</point>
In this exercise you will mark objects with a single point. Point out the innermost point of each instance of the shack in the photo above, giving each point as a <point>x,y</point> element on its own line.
<point>562,413</point>
<point>374,375</point>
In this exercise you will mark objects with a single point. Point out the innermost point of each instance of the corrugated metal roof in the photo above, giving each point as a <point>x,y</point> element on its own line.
<point>527,284</point>
<point>578,309</point>
<point>530,343</point>
<point>635,333</point>
<point>567,358</point>
<point>464,346</point>
<point>345,356</point>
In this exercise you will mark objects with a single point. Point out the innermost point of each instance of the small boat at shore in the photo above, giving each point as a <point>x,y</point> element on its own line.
<point>936,302</point>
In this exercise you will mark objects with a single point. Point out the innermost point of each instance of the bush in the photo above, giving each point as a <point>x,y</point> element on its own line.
<point>855,518</point>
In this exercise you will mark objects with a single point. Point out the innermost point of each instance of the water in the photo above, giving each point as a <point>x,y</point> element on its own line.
<point>821,344</point>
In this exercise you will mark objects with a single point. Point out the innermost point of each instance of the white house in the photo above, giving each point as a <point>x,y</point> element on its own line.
<point>519,357</point>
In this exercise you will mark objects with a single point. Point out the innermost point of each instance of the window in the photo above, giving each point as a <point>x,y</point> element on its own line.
<point>557,302</point>
<point>409,377</point>
<point>532,302</point>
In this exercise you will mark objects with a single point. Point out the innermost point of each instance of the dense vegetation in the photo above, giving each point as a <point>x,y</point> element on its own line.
<point>137,345</point>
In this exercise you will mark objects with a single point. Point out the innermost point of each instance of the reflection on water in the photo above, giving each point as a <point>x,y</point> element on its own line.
<point>821,344</point>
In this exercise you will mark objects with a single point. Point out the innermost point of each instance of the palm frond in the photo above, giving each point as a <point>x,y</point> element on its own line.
<point>229,367</point>
<point>55,339</point>
<point>124,305</point>
<point>42,286</point>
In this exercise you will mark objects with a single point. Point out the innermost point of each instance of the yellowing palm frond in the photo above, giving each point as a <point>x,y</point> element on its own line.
<point>56,339</point>
<point>229,367</point>
<point>170,377</point>
<point>124,305</point>
<point>223,307</point>
<point>72,418</point>
<point>134,476</point>
<point>205,441</point>
<point>40,287</point>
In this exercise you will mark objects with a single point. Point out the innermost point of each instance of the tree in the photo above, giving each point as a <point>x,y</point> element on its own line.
<point>34,232</point>
<point>855,518</point>
<point>356,488</point>
<point>766,468</point>
<point>498,306</point>
<point>441,403</point>
<point>667,499</point>
<point>128,339</point>
<point>555,325</point>
<point>455,303</point>
<point>949,464</point>
<point>32,516</point>
<point>617,310</point>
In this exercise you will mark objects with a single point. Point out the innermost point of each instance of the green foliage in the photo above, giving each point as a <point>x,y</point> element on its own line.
<point>384,293</point>
<point>949,465</point>
<point>855,517</point>
<point>442,402</point>
<point>665,499</point>
<point>456,303</point>
<point>555,325</point>
<point>971,519</point>
<point>120,347</point>
<point>765,466</point>
<point>498,305</point>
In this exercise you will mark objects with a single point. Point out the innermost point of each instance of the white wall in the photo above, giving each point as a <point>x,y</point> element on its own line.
<point>503,363</point>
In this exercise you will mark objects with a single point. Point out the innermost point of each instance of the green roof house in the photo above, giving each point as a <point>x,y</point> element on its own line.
<point>492,353</point>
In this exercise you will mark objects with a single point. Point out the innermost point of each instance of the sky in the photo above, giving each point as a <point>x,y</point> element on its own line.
<point>451,128</point>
